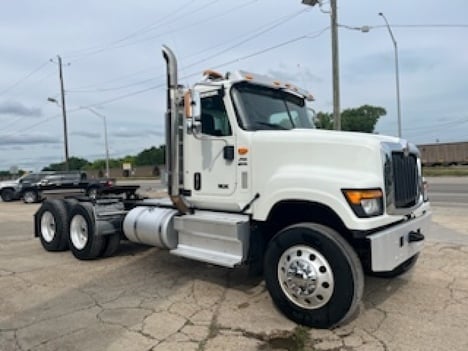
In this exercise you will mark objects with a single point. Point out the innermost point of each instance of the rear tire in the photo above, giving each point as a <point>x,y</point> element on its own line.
<point>30,196</point>
<point>83,241</point>
<point>7,195</point>
<point>313,275</point>
<point>111,246</point>
<point>52,225</point>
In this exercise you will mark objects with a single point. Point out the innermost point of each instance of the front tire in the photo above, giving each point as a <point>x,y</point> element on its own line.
<point>313,275</point>
<point>7,195</point>
<point>83,241</point>
<point>52,225</point>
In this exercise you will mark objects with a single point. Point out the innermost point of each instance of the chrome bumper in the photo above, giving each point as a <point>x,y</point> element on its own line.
<point>393,246</point>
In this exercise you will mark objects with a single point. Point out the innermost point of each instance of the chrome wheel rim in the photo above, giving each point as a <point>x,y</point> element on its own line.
<point>305,277</point>
<point>48,226</point>
<point>79,232</point>
<point>92,194</point>
<point>29,197</point>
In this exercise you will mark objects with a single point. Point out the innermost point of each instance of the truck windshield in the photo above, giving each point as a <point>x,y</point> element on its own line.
<point>263,108</point>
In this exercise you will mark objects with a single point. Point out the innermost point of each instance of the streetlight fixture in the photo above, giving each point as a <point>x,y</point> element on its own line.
<point>65,133</point>
<point>335,58</point>
<point>104,119</point>
<point>397,74</point>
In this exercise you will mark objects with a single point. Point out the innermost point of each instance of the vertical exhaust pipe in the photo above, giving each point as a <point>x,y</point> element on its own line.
<point>173,120</point>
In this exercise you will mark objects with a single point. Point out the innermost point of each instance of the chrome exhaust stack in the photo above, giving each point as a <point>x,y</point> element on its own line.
<point>173,122</point>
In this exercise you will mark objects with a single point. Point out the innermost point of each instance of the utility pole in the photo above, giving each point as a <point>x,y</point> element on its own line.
<point>335,61</point>
<point>64,113</point>
<point>335,65</point>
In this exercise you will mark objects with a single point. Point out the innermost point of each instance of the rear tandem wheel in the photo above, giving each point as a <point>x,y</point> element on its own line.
<point>83,241</point>
<point>52,225</point>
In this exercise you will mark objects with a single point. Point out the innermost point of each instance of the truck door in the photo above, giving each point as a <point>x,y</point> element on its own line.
<point>210,169</point>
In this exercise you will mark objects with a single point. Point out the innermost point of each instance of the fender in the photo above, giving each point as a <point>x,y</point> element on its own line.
<point>323,186</point>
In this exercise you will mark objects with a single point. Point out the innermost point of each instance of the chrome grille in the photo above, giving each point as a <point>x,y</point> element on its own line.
<point>405,179</point>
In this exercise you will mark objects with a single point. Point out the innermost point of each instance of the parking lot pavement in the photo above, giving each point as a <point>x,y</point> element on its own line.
<point>146,299</point>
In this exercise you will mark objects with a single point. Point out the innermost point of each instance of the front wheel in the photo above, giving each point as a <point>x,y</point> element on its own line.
<point>7,195</point>
<point>313,275</point>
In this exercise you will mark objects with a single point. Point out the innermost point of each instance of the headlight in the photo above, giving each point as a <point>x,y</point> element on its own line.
<point>365,202</point>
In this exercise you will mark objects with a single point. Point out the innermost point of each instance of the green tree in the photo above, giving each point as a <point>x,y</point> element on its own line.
<point>323,120</point>
<point>361,119</point>
<point>151,156</point>
<point>74,164</point>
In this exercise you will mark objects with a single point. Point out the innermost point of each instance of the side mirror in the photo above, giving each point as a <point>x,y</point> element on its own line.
<point>192,108</point>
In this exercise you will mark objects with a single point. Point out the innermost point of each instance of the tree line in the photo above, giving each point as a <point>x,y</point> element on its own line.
<point>148,157</point>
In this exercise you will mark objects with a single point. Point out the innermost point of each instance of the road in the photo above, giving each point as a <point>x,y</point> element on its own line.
<point>448,191</point>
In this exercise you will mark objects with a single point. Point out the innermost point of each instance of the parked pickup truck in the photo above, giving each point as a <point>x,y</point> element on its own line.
<point>73,182</point>
<point>13,189</point>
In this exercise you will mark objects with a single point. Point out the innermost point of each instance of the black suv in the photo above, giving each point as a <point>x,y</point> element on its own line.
<point>64,178</point>
<point>13,189</point>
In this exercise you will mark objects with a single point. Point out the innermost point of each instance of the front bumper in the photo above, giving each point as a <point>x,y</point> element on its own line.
<point>393,246</point>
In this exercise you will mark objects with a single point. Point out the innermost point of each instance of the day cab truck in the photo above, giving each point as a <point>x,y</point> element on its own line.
<point>251,182</point>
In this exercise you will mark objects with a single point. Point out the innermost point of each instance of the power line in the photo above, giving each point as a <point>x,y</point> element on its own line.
<point>154,24</point>
<point>77,53</point>
<point>24,78</point>
<point>223,13</point>
<point>428,25</point>
<point>281,21</point>
<point>287,42</point>
<point>116,46</point>
<point>257,32</point>
<point>114,88</point>
<point>380,26</point>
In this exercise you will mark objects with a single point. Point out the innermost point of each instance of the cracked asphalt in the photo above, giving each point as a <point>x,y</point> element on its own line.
<point>146,299</point>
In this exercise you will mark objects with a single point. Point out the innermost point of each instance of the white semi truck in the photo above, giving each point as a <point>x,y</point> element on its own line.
<point>251,182</point>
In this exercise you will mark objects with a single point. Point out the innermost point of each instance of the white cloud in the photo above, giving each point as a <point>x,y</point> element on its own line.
<point>27,139</point>
<point>18,109</point>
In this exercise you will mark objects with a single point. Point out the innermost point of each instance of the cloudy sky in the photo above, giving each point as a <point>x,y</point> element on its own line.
<point>113,64</point>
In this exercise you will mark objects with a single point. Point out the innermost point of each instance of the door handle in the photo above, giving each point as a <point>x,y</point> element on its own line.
<point>228,152</point>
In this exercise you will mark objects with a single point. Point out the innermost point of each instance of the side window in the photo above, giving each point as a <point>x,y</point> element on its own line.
<point>214,116</point>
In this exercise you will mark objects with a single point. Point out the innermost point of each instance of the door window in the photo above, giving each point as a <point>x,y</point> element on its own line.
<point>214,117</point>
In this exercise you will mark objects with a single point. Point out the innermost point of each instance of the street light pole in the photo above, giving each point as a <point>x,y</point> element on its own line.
<point>64,114</point>
<point>104,119</point>
<point>397,74</point>
<point>335,58</point>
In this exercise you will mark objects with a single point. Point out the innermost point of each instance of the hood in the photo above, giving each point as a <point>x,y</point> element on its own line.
<point>325,138</point>
<point>6,183</point>
<point>346,155</point>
